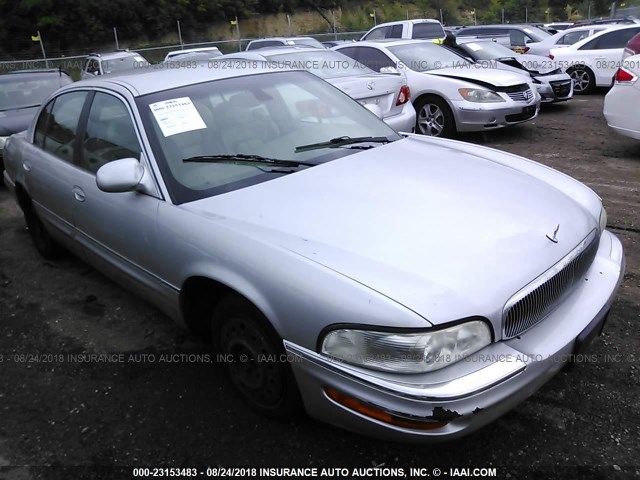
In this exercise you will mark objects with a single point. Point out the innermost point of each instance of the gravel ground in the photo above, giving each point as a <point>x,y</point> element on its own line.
<point>56,410</point>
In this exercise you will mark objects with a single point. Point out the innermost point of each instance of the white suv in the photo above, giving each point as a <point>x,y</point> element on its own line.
<point>425,28</point>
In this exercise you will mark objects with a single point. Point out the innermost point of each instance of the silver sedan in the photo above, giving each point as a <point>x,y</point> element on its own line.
<point>411,288</point>
<point>449,93</point>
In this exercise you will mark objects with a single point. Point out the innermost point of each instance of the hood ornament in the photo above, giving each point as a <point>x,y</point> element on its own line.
<point>554,239</point>
<point>371,85</point>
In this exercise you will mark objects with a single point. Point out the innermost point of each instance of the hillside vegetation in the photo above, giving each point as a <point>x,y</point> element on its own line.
<point>76,27</point>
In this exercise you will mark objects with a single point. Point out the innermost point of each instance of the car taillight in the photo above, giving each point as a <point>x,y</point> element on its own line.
<point>622,76</point>
<point>404,96</point>
<point>551,56</point>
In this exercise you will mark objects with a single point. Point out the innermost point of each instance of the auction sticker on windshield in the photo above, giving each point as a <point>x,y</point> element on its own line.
<point>177,115</point>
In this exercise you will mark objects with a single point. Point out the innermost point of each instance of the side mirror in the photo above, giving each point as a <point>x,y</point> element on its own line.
<point>120,175</point>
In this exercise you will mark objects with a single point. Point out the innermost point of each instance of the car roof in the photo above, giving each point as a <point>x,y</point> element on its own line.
<point>118,54</point>
<point>415,20</point>
<point>192,50</point>
<point>579,43</point>
<point>284,39</point>
<point>386,42</point>
<point>153,79</point>
<point>267,51</point>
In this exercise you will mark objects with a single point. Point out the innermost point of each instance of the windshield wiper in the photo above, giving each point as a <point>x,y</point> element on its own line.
<point>241,158</point>
<point>342,142</point>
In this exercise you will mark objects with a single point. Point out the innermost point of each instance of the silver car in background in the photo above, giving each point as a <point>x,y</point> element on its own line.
<point>551,82</point>
<point>410,288</point>
<point>449,93</point>
<point>385,94</point>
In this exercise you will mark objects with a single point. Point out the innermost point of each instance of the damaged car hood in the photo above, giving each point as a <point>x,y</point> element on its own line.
<point>419,223</point>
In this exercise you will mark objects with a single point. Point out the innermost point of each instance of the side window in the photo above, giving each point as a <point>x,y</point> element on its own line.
<point>615,39</point>
<point>374,59</point>
<point>58,133</point>
<point>377,33</point>
<point>517,37</point>
<point>110,134</point>
<point>92,66</point>
<point>428,30</point>
<point>572,37</point>
<point>351,52</point>
<point>396,32</point>
<point>42,125</point>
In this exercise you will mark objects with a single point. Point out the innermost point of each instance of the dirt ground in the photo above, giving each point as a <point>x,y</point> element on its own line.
<point>57,410</point>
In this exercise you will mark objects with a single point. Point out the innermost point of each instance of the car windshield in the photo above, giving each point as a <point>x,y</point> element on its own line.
<point>487,50</point>
<point>222,135</point>
<point>120,64</point>
<point>323,63</point>
<point>28,90</point>
<point>425,56</point>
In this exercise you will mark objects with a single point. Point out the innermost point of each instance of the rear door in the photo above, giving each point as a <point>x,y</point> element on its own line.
<point>50,172</point>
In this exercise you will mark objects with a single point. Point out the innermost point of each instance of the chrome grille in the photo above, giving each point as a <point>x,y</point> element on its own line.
<point>524,96</point>
<point>533,303</point>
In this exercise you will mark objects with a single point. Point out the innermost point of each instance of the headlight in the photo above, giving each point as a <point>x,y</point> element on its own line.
<point>407,352</point>
<point>480,95</point>
<point>603,219</point>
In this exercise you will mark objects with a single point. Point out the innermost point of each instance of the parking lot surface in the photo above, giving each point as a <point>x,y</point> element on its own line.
<point>93,376</point>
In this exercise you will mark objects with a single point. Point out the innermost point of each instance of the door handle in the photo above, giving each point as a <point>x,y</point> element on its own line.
<point>78,194</point>
<point>26,166</point>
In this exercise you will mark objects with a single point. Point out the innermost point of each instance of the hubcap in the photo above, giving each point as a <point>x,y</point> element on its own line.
<point>580,80</point>
<point>254,368</point>
<point>431,120</point>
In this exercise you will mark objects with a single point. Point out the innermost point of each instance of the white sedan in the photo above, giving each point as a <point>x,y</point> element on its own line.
<point>385,94</point>
<point>592,62</point>
<point>451,94</point>
<point>622,103</point>
<point>564,38</point>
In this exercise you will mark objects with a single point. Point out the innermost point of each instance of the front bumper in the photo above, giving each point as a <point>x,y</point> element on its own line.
<point>472,392</point>
<point>405,121</point>
<point>478,117</point>
<point>555,88</point>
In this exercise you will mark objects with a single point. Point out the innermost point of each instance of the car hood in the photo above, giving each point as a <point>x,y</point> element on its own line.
<point>14,121</point>
<point>477,73</point>
<point>536,64</point>
<point>446,233</point>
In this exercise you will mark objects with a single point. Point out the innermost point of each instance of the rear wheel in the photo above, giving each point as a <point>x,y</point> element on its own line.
<point>43,241</point>
<point>434,117</point>
<point>584,80</point>
<point>256,360</point>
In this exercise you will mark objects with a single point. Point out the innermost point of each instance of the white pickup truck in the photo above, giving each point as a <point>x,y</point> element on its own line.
<point>425,28</point>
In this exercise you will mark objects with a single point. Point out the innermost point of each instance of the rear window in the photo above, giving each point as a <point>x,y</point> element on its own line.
<point>428,30</point>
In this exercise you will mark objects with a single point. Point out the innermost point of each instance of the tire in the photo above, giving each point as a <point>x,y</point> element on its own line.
<point>434,117</point>
<point>46,246</point>
<point>584,80</point>
<point>258,367</point>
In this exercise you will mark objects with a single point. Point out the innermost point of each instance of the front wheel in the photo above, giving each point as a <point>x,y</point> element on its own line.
<point>583,80</point>
<point>255,359</point>
<point>434,117</point>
